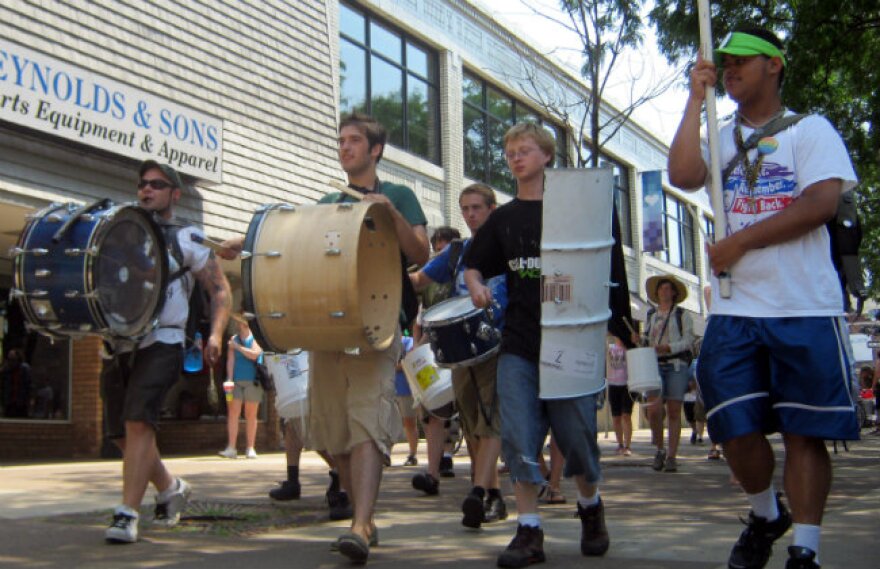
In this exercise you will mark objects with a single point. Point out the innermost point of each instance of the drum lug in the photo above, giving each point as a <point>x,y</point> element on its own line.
<point>345,206</point>
<point>467,327</point>
<point>333,252</point>
<point>38,252</point>
<point>54,218</point>
<point>87,217</point>
<point>474,349</point>
<point>39,293</point>
<point>352,351</point>
<point>74,252</point>
<point>485,332</point>
<point>337,314</point>
<point>42,273</point>
<point>252,316</point>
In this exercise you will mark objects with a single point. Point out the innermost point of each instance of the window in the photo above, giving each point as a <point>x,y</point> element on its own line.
<point>709,227</point>
<point>678,230</point>
<point>391,76</point>
<point>621,198</point>
<point>488,113</point>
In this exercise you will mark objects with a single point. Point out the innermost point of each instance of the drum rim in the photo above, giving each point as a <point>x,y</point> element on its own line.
<point>475,311</point>
<point>247,285</point>
<point>472,361</point>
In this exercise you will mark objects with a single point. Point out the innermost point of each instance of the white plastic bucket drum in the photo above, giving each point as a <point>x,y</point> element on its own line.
<point>575,271</point>
<point>291,374</point>
<point>642,370</point>
<point>430,385</point>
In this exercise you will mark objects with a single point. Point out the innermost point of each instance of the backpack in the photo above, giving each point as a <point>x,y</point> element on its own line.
<point>199,316</point>
<point>844,229</point>
<point>687,355</point>
<point>438,292</point>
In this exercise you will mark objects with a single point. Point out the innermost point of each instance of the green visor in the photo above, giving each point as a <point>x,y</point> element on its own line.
<point>739,43</point>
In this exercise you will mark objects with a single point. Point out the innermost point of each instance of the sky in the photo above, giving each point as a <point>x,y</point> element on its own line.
<point>643,69</point>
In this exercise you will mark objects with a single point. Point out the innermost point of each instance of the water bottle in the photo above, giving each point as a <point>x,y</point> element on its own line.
<point>192,360</point>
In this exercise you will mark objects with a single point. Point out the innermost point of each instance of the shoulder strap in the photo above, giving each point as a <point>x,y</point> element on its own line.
<point>776,125</point>
<point>455,248</point>
<point>679,317</point>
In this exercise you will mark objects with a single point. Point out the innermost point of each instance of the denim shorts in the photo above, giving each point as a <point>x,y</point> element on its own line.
<point>674,381</point>
<point>525,420</point>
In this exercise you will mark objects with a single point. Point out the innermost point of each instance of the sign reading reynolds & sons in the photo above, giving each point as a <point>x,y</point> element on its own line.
<point>43,93</point>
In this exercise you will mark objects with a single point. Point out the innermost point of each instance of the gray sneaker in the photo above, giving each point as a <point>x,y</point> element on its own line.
<point>124,528</point>
<point>659,460</point>
<point>167,513</point>
<point>671,465</point>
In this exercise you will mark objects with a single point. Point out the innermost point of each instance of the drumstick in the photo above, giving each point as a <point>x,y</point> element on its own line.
<point>215,246</point>
<point>630,326</point>
<point>346,190</point>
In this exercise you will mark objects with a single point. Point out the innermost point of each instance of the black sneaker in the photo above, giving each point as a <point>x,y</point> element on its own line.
<point>801,558</point>
<point>495,510</point>
<point>340,505</point>
<point>754,546</point>
<point>288,490</point>
<point>446,470</point>
<point>473,511</point>
<point>594,534</point>
<point>527,547</point>
<point>426,483</point>
<point>411,460</point>
<point>659,460</point>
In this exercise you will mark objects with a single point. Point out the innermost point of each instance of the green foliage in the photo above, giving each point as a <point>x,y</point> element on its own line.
<point>832,50</point>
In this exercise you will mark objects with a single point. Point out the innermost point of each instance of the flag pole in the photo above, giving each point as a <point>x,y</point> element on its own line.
<point>715,189</point>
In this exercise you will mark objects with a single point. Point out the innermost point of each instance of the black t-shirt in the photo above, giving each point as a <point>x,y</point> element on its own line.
<point>509,243</point>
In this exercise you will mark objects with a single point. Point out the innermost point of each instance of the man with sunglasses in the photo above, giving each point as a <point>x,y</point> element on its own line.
<point>773,357</point>
<point>135,381</point>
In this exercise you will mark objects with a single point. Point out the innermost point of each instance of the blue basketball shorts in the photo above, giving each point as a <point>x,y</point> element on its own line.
<point>791,375</point>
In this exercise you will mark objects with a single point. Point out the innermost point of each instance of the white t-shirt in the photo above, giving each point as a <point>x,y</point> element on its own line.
<point>795,278</point>
<point>172,320</point>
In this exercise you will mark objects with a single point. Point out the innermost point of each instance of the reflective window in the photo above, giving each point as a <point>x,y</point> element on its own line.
<point>488,113</point>
<point>621,198</point>
<point>678,232</point>
<point>391,76</point>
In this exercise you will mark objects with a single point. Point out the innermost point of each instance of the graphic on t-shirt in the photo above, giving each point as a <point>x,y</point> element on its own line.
<point>526,267</point>
<point>774,191</point>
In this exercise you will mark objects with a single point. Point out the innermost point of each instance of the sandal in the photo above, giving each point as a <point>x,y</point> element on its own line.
<point>555,497</point>
<point>714,454</point>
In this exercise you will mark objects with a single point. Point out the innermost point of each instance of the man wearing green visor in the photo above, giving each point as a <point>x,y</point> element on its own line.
<point>773,356</point>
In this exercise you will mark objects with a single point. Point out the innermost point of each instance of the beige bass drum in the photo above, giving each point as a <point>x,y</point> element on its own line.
<point>323,277</point>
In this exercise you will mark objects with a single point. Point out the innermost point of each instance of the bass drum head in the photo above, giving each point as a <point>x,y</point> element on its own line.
<point>247,284</point>
<point>131,271</point>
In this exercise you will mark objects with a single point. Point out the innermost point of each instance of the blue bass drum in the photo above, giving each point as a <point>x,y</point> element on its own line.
<point>100,269</point>
<point>460,333</point>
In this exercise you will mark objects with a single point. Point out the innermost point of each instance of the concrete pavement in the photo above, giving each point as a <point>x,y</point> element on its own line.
<point>54,514</point>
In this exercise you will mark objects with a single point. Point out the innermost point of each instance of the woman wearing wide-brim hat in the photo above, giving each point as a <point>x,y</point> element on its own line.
<point>670,331</point>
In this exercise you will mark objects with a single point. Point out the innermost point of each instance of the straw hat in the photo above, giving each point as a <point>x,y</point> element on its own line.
<point>654,282</point>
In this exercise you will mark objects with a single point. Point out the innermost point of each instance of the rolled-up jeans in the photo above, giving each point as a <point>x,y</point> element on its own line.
<point>525,420</point>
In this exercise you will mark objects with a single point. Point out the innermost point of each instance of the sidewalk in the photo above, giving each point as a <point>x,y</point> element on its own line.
<point>54,516</point>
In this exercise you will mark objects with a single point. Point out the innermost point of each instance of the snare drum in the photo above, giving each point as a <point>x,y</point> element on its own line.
<point>460,333</point>
<point>322,277</point>
<point>100,269</point>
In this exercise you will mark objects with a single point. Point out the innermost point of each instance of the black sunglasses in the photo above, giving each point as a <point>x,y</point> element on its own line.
<point>155,183</point>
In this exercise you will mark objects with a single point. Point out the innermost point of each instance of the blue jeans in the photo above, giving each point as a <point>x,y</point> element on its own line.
<point>525,420</point>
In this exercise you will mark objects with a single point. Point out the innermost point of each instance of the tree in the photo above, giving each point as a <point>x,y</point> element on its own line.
<point>605,30</point>
<point>832,53</point>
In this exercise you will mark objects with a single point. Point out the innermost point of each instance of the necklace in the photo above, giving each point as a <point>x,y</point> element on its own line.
<point>752,170</point>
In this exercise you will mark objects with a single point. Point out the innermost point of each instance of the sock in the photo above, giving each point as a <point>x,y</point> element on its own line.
<point>495,493</point>
<point>479,491</point>
<point>293,473</point>
<point>588,501</point>
<point>806,535</point>
<point>334,481</point>
<point>123,509</point>
<point>531,520</point>
<point>764,504</point>
<point>165,494</point>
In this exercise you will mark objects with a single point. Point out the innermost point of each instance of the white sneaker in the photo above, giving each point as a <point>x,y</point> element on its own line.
<point>228,452</point>
<point>124,528</point>
<point>251,453</point>
<point>167,513</point>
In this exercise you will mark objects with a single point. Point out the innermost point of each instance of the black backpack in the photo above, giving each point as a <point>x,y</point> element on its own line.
<point>199,316</point>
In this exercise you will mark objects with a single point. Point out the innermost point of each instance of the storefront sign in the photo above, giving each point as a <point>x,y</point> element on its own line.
<point>54,97</point>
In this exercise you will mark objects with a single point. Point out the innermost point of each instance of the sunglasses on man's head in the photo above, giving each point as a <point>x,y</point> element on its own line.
<point>156,184</point>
